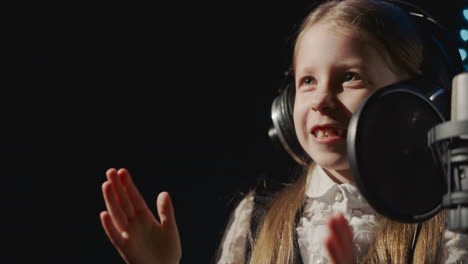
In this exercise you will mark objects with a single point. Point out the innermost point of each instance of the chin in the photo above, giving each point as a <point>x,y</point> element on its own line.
<point>332,162</point>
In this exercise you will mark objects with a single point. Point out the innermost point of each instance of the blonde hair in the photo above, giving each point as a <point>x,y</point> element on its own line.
<point>274,241</point>
<point>390,30</point>
<point>379,24</point>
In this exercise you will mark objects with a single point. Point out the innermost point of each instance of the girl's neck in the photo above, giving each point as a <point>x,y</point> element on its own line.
<point>340,176</point>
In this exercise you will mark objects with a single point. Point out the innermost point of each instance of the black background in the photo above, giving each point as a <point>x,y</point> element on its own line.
<point>178,93</point>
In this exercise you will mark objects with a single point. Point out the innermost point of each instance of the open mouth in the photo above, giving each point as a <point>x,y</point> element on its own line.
<point>328,132</point>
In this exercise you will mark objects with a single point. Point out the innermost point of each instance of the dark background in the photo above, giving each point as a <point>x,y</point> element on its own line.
<point>178,93</point>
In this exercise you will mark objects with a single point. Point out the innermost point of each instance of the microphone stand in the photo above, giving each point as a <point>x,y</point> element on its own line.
<point>449,145</point>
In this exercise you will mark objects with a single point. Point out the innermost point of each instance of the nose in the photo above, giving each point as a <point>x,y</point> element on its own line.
<point>324,99</point>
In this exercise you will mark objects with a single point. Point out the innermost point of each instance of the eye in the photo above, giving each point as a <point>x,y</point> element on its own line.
<point>308,80</point>
<point>351,76</point>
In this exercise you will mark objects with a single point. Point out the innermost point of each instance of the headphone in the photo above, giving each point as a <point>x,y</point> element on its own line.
<point>441,62</point>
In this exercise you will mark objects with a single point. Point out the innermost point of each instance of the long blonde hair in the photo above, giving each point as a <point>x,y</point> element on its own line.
<point>389,29</point>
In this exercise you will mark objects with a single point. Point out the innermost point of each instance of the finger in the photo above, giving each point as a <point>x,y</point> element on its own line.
<point>109,172</point>
<point>333,244</point>
<point>166,210</point>
<point>334,251</point>
<point>118,216</point>
<point>112,233</point>
<point>345,234</point>
<point>122,196</point>
<point>340,246</point>
<point>137,200</point>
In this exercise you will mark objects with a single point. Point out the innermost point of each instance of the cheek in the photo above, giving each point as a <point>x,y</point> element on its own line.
<point>352,101</point>
<point>300,118</point>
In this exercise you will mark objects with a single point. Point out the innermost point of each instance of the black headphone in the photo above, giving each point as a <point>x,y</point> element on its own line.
<point>441,62</point>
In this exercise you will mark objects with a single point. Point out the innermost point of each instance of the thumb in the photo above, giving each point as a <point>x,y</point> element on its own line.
<point>166,210</point>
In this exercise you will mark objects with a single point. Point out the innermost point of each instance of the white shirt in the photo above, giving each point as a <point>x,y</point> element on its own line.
<point>324,198</point>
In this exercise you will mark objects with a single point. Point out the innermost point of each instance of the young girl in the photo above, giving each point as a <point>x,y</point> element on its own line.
<point>344,51</point>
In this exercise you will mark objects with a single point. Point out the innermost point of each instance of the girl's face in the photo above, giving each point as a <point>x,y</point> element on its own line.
<point>334,72</point>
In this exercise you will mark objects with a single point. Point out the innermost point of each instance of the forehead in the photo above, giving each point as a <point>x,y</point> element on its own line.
<point>322,42</point>
<point>324,48</point>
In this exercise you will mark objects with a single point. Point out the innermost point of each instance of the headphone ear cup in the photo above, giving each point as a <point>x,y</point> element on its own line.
<point>441,100</point>
<point>283,130</point>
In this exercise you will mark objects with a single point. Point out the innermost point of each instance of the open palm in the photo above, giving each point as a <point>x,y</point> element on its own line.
<point>131,226</point>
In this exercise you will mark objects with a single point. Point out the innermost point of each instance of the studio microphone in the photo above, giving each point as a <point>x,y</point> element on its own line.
<point>448,142</point>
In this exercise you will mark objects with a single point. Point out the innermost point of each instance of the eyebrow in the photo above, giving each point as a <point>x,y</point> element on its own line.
<point>350,63</point>
<point>359,62</point>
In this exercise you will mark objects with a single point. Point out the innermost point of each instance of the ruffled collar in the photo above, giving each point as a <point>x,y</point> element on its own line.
<point>319,183</point>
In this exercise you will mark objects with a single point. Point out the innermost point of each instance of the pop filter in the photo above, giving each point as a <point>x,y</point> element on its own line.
<point>389,156</point>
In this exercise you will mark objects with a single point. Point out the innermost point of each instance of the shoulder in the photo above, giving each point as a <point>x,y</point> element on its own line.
<point>243,221</point>
<point>455,247</point>
<point>234,242</point>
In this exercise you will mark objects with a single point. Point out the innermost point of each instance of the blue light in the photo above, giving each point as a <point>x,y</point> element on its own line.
<point>462,53</point>
<point>464,34</point>
<point>465,13</point>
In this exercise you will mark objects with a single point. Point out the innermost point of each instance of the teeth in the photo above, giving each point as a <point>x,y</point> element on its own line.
<point>319,133</point>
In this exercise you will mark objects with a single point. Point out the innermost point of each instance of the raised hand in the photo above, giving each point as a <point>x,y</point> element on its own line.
<point>340,241</point>
<point>131,226</point>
